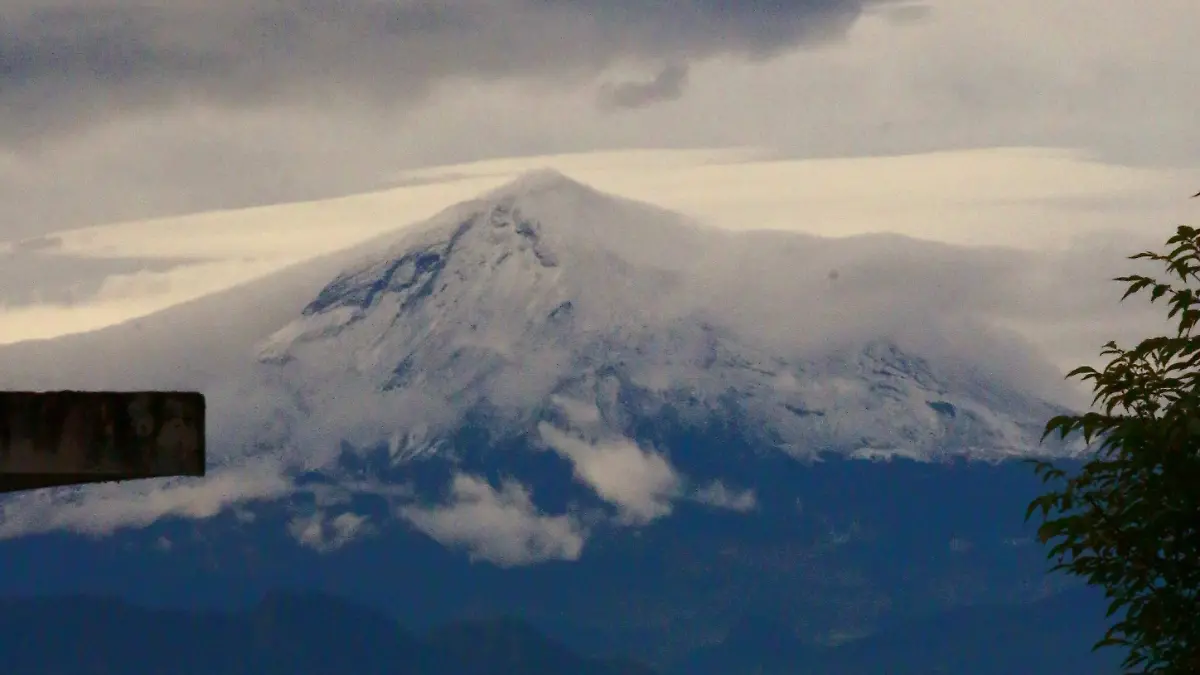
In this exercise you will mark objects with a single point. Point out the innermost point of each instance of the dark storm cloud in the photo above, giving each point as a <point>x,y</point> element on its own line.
<point>668,85</point>
<point>71,63</point>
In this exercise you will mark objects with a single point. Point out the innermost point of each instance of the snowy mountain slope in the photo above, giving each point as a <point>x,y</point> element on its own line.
<point>548,316</point>
<point>546,298</point>
<point>189,345</point>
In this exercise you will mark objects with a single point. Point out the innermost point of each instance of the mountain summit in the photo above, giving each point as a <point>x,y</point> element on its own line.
<point>548,307</point>
<point>538,180</point>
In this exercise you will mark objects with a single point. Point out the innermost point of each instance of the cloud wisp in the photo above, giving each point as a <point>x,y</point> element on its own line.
<point>323,533</point>
<point>100,510</point>
<point>501,526</point>
<point>717,495</point>
<point>667,85</point>
<point>640,483</point>
<point>505,527</point>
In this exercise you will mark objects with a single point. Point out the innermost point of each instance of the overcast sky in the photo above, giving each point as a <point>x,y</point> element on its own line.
<point>115,109</point>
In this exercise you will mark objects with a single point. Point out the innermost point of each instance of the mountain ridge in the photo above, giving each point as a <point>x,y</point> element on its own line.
<point>306,633</point>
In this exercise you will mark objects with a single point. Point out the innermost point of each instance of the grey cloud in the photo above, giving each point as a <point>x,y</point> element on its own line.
<point>71,63</point>
<point>905,14</point>
<point>717,495</point>
<point>105,508</point>
<point>321,533</point>
<point>32,273</point>
<point>641,483</point>
<point>37,245</point>
<point>667,85</point>
<point>179,162</point>
<point>502,527</point>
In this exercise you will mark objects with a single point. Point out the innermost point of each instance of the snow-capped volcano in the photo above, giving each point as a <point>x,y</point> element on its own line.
<point>538,261</point>
<point>549,373</point>
<point>546,302</point>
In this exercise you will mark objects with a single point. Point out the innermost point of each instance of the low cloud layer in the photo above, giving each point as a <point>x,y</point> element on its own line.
<point>68,279</point>
<point>1027,199</point>
<point>68,294</point>
<point>501,526</point>
<point>99,510</point>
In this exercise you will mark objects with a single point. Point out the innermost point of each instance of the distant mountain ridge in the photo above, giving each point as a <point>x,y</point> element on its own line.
<point>290,633</point>
<point>285,634</point>
<point>1047,637</point>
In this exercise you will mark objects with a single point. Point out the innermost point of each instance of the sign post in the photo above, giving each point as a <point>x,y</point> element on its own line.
<point>60,438</point>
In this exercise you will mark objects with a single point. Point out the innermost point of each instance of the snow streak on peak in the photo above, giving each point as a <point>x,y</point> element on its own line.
<point>551,214</point>
<point>537,268</point>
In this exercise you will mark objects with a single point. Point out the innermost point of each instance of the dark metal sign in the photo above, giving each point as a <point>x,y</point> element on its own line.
<point>74,437</point>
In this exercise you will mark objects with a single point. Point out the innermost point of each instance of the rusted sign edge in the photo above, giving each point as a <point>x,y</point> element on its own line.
<point>73,437</point>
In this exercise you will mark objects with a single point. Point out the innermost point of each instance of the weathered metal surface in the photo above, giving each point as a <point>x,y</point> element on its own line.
<point>72,437</point>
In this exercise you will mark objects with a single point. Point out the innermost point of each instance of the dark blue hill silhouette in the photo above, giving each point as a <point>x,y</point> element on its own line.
<point>291,634</point>
<point>312,634</point>
<point>839,546</point>
<point>478,647</point>
<point>284,634</point>
<point>1052,636</point>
